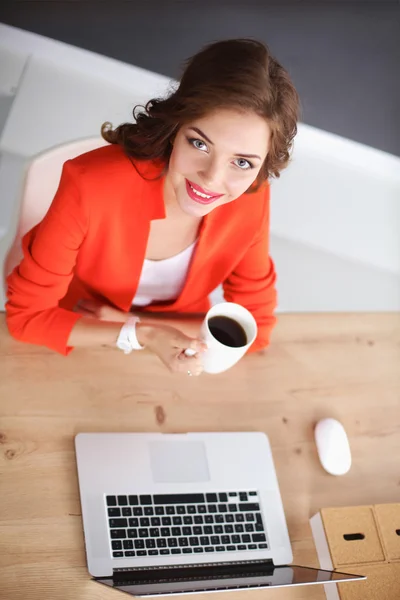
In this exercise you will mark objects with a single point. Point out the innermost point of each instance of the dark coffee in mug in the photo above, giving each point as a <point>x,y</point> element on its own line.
<point>227,331</point>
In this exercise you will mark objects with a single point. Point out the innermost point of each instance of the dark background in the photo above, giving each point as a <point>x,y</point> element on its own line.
<point>343,55</point>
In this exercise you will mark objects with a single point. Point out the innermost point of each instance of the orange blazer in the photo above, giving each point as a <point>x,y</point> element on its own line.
<point>92,243</point>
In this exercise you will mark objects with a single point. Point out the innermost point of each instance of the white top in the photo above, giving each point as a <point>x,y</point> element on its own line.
<point>163,280</point>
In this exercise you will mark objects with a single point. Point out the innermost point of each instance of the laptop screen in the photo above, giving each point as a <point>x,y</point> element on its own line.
<point>276,577</point>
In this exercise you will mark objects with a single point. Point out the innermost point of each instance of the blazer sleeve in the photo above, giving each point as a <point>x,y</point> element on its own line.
<point>252,283</point>
<point>40,281</point>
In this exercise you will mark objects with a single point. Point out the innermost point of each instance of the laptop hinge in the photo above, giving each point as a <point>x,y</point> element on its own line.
<point>199,572</point>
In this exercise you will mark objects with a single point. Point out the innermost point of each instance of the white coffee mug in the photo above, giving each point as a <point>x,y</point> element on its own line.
<point>220,357</point>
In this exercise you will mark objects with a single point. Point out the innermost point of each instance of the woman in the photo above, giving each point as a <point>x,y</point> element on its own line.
<point>175,205</point>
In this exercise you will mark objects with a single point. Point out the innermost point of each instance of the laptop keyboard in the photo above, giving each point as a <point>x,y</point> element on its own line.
<point>172,524</point>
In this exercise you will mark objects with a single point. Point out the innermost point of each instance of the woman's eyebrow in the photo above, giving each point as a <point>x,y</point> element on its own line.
<point>203,135</point>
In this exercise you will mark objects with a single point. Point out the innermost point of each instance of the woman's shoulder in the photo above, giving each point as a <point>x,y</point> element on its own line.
<point>106,159</point>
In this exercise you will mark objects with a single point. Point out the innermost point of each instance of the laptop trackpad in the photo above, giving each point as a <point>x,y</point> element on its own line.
<point>179,462</point>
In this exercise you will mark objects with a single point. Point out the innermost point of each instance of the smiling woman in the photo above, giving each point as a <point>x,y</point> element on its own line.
<point>174,206</point>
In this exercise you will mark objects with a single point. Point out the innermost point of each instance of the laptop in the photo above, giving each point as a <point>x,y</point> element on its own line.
<point>182,513</point>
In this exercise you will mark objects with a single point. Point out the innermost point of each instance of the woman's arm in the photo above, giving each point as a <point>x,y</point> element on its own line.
<point>252,283</point>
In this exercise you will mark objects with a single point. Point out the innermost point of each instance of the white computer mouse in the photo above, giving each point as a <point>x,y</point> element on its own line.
<point>333,446</point>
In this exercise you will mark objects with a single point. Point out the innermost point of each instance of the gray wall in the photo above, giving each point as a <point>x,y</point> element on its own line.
<point>344,56</point>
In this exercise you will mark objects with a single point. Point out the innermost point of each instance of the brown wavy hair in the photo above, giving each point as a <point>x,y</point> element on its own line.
<point>238,74</point>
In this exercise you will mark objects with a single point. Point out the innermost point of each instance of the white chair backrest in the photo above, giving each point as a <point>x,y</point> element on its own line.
<point>41,183</point>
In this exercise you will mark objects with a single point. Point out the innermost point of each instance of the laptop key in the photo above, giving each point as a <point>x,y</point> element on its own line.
<point>243,497</point>
<point>223,497</point>
<point>259,537</point>
<point>208,519</point>
<point>229,519</point>
<point>215,540</point>
<point>114,523</point>
<point>154,532</point>
<point>194,541</point>
<point>249,527</point>
<point>139,544</point>
<point>208,530</point>
<point>133,500</point>
<point>177,520</point>
<point>179,499</point>
<point>239,528</point>
<point>143,533</point>
<point>170,510</point>
<point>188,520</point>
<point>183,542</point>
<point>197,531</point>
<point>204,540</point>
<point>146,499</point>
<point>219,519</point>
<point>198,520</point>
<point>130,553</point>
<point>233,508</point>
<point>191,510</point>
<point>153,552</point>
<point>126,511</point>
<point>249,507</point>
<point>250,517</point>
<point>172,542</point>
<point>144,522</point>
<point>166,521</point>
<point>259,527</point>
<point>165,531</point>
<point>246,538</point>
<point>252,547</point>
<point>186,530</point>
<point>176,531</point>
<point>187,550</point>
<point>141,553</point>
<point>202,509</point>
<point>252,493</point>
<point>164,551</point>
<point>235,539</point>
<point>230,548</point>
<point>241,547</point>
<point>160,510</point>
<point>148,510</point>
<point>155,521</point>
<point>137,511</point>
<point>228,529</point>
<point>116,545</point>
<point>176,551</point>
<point>132,533</point>
<point>218,529</point>
<point>209,549</point>
<point>198,549</point>
<point>118,554</point>
<point>128,544</point>
<point>212,497</point>
<point>181,510</point>
<point>232,494</point>
<point>222,508</point>
<point>225,539</point>
<point>220,548</point>
<point>262,546</point>
<point>150,543</point>
<point>212,508</point>
<point>117,534</point>
<point>161,543</point>
<point>111,501</point>
<point>239,518</point>
<point>122,500</point>
<point>114,512</point>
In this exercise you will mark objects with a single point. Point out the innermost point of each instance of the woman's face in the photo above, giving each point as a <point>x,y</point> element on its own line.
<point>215,159</point>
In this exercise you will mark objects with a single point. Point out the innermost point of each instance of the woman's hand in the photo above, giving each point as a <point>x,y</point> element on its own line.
<point>169,344</point>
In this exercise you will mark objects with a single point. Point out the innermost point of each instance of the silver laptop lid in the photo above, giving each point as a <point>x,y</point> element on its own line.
<point>218,577</point>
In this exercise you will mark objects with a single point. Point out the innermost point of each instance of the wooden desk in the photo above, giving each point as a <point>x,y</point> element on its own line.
<point>345,366</point>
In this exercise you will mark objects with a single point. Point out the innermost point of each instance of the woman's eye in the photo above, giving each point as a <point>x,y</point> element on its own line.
<point>243,164</point>
<point>199,144</point>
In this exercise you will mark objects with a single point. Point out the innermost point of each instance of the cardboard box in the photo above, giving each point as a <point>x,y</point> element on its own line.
<point>363,540</point>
